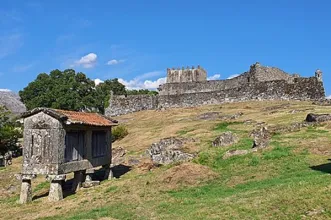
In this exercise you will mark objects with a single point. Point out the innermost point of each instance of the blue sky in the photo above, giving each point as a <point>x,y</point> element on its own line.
<point>137,40</point>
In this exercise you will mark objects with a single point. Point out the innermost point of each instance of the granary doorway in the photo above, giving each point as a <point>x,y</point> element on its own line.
<point>74,146</point>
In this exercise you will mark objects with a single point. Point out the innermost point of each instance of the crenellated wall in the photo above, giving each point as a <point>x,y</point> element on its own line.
<point>188,74</point>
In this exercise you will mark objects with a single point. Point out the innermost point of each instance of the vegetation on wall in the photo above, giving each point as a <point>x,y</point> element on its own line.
<point>141,92</point>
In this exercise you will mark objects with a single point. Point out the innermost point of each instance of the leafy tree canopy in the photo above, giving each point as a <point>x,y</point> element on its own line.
<point>72,91</point>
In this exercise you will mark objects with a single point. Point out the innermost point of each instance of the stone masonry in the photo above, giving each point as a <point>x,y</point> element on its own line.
<point>189,89</point>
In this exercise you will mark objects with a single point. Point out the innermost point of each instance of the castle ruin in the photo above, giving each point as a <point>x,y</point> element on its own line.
<point>188,87</point>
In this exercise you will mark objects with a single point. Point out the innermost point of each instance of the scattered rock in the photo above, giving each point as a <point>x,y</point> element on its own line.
<point>250,121</point>
<point>209,116</point>
<point>218,116</point>
<point>261,137</point>
<point>169,150</point>
<point>133,161</point>
<point>300,110</point>
<point>277,107</point>
<point>323,102</point>
<point>296,126</point>
<point>315,212</point>
<point>118,155</point>
<point>231,117</point>
<point>89,184</point>
<point>225,139</point>
<point>318,117</point>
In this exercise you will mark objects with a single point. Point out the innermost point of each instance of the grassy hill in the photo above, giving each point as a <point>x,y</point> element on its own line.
<point>288,180</point>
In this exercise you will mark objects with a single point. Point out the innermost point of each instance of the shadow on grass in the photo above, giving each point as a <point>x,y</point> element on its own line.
<point>67,190</point>
<point>120,170</point>
<point>325,168</point>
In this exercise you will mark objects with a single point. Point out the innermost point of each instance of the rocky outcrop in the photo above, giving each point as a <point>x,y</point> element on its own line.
<point>11,101</point>
<point>169,150</point>
<point>225,139</point>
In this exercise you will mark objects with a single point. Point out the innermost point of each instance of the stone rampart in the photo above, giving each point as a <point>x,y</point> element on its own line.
<point>217,92</point>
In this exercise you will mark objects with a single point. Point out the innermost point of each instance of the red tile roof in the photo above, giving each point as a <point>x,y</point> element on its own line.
<point>86,118</point>
<point>72,117</point>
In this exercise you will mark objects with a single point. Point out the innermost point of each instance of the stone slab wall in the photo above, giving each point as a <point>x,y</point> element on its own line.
<point>120,105</point>
<point>215,92</point>
<point>207,86</point>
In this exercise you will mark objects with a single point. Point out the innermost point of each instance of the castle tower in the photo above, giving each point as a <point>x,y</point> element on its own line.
<point>188,74</point>
<point>318,75</point>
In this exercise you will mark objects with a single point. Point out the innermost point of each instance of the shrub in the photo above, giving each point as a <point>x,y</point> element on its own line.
<point>119,133</point>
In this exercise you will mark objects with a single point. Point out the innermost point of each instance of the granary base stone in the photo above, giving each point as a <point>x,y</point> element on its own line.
<point>55,191</point>
<point>78,180</point>
<point>26,191</point>
<point>108,172</point>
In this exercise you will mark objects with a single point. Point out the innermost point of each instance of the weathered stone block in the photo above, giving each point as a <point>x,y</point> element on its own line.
<point>26,191</point>
<point>55,191</point>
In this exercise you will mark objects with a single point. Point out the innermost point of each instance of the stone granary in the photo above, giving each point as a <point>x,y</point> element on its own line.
<point>57,142</point>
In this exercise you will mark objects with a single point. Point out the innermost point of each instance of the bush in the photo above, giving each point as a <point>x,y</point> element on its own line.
<point>9,132</point>
<point>119,133</point>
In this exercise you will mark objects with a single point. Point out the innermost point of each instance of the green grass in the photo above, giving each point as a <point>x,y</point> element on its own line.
<point>111,189</point>
<point>41,186</point>
<point>224,126</point>
<point>185,131</point>
<point>117,210</point>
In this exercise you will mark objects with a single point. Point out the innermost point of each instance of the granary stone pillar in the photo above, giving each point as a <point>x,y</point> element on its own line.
<point>108,172</point>
<point>26,189</point>
<point>78,180</point>
<point>89,174</point>
<point>55,191</point>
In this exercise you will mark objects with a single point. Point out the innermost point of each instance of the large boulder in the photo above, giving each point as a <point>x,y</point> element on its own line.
<point>261,137</point>
<point>11,101</point>
<point>318,117</point>
<point>169,150</point>
<point>118,155</point>
<point>225,139</point>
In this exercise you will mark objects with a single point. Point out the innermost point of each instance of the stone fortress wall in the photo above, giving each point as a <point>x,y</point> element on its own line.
<point>259,83</point>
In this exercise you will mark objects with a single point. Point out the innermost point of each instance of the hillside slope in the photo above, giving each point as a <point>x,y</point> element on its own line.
<point>287,180</point>
<point>12,101</point>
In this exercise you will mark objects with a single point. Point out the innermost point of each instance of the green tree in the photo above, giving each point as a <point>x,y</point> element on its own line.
<point>9,132</point>
<point>67,90</point>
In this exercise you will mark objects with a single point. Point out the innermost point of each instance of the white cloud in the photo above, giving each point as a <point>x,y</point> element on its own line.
<point>114,62</point>
<point>328,97</point>
<point>148,84</point>
<point>87,61</point>
<point>233,76</point>
<point>5,90</point>
<point>98,81</point>
<point>142,81</point>
<point>214,77</point>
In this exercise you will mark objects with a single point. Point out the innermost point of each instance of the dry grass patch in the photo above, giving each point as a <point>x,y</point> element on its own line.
<point>186,174</point>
